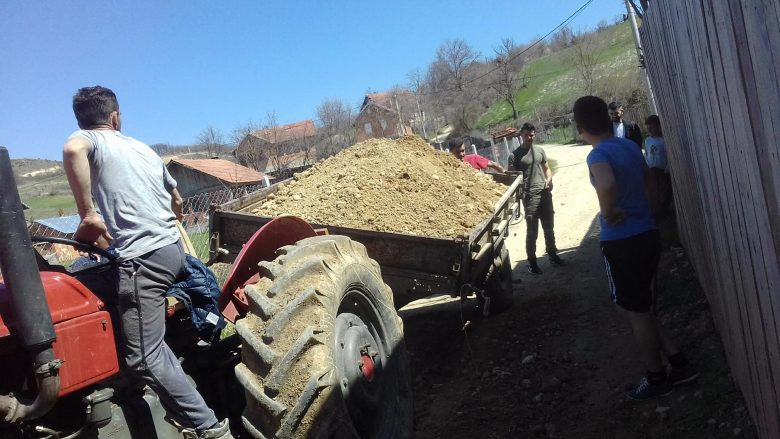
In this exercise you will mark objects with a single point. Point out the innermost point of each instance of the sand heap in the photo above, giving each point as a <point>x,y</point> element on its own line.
<point>402,186</point>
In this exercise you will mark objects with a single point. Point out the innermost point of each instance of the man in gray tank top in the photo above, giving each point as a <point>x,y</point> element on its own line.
<point>139,204</point>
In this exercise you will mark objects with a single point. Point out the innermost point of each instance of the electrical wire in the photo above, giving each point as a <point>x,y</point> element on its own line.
<point>565,22</point>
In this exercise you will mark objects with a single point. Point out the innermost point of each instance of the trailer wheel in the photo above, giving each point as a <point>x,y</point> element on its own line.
<point>499,286</point>
<point>322,347</point>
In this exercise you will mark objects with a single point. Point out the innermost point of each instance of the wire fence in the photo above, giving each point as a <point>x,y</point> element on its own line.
<point>195,223</point>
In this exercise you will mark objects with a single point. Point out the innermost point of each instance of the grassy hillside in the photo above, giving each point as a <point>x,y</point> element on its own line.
<point>48,206</point>
<point>553,80</point>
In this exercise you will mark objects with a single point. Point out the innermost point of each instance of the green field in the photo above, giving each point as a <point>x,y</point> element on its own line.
<point>553,80</point>
<point>48,206</point>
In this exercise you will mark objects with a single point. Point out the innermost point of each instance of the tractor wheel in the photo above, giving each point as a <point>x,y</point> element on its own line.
<point>499,286</point>
<point>322,347</point>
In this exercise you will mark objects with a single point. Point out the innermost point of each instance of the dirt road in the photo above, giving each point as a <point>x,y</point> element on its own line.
<point>559,363</point>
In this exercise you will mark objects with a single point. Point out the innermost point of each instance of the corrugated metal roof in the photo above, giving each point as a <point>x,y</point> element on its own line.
<point>224,170</point>
<point>63,224</point>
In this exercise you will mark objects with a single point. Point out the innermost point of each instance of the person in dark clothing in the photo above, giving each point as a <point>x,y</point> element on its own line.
<point>537,196</point>
<point>624,129</point>
<point>630,245</point>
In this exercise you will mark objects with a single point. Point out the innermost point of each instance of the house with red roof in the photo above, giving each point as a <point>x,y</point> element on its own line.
<point>279,148</point>
<point>379,115</point>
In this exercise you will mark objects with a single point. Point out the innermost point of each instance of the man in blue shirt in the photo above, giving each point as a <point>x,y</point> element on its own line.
<point>630,244</point>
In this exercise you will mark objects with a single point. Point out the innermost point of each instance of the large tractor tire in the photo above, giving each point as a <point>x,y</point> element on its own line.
<point>499,286</point>
<point>322,347</point>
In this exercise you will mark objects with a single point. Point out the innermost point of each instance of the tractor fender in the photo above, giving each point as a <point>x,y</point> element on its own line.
<point>262,246</point>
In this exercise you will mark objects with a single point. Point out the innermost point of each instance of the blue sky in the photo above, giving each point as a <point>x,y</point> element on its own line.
<point>180,66</point>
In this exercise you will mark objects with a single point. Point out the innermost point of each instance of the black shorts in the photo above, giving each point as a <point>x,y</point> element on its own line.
<point>631,264</point>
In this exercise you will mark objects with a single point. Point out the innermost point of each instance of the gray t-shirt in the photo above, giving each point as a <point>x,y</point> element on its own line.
<point>131,187</point>
<point>531,165</point>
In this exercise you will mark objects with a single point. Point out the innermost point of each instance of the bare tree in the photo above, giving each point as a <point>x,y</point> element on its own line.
<point>562,39</point>
<point>162,148</point>
<point>456,70</point>
<point>505,77</point>
<point>456,57</point>
<point>248,147</point>
<point>282,151</point>
<point>417,84</point>
<point>210,140</point>
<point>336,119</point>
<point>586,60</point>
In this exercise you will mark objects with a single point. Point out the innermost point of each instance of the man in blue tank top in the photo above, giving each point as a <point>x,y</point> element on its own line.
<point>630,244</point>
<point>138,203</point>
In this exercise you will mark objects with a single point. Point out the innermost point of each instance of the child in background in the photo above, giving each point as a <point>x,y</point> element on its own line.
<point>655,156</point>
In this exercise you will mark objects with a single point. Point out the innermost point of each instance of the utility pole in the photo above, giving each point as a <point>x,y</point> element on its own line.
<point>640,54</point>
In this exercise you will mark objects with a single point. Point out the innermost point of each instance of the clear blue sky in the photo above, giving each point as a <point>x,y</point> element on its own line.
<point>179,66</point>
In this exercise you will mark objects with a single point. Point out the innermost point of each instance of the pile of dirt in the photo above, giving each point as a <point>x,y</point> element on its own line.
<point>401,186</point>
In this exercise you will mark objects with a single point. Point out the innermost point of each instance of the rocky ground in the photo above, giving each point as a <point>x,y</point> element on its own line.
<point>559,363</point>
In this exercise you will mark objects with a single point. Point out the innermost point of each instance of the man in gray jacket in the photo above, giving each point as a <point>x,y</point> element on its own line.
<point>139,204</point>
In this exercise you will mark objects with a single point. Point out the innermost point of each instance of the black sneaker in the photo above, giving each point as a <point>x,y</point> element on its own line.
<point>533,268</point>
<point>556,260</point>
<point>648,390</point>
<point>683,375</point>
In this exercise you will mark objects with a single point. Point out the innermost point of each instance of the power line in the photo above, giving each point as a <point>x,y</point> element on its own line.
<point>565,22</point>
<point>568,20</point>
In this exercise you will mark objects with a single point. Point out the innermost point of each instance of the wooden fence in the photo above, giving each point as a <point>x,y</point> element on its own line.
<point>715,69</point>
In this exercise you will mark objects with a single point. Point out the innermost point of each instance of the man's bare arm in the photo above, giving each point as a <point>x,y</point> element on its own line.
<point>92,229</point>
<point>496,166</point>
<point>176,204</point>
<point>547,175</point>
<point>606,190</point>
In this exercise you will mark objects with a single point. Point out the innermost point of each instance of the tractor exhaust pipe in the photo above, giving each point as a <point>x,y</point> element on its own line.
<point>34,326</point>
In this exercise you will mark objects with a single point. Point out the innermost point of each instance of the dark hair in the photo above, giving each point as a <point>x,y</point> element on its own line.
<point>614,105</point>
<point>653,119</point>
<point>528,126</point>
<point>455,143</point>
<point>590,114</point>
<point>93,106</point>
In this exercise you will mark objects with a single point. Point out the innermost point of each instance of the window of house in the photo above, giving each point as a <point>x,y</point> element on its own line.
<point>383,123</point>
<point>367,128</point>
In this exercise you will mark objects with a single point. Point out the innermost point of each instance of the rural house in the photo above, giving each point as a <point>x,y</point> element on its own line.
<point>280,148</point>
<point>379,115</point>
<point>208,175</point>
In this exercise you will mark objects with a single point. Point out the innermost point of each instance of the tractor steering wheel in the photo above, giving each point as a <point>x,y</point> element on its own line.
<point>86,247</point>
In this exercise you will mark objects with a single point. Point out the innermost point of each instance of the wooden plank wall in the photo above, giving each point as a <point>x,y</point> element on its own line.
<point>715,70</point>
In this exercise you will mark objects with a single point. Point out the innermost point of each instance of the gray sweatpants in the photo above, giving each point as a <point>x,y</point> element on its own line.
<point>143,282</point>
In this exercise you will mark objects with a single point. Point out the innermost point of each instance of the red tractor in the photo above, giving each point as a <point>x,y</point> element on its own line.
<point>318,350</point>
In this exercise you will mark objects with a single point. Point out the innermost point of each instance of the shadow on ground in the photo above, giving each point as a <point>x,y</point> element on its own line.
<point>558,364</point>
